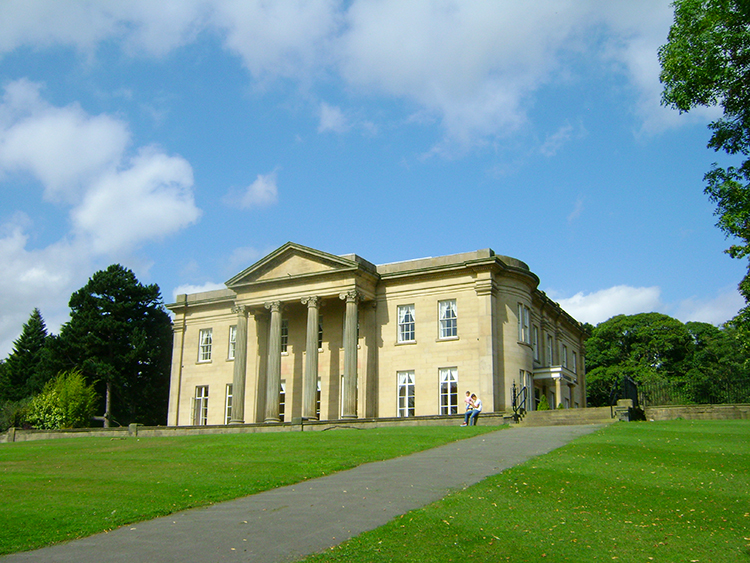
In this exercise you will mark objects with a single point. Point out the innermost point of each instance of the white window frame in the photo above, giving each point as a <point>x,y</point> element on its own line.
<point>550,350</point>
<point>448,390</point>
<point>574,367</point>
<point>535,341</point>
<point>448,319</point>
<point>284,336</point>
<point>228,404</point>
<point>317,400</point>
<point>200,405</point>
<point>523,324</point>
<point>282,400</point>
<point>232,342</point>
<point>564,356</point>
<point>405,394</point>
<point>205,344</point>
<point>320,332</point>
<point>407,324</point>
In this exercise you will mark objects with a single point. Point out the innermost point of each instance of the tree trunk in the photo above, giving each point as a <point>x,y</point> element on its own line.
<point>107,397</point>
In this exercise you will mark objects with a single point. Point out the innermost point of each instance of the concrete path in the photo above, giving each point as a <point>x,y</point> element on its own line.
<point>289,523</point>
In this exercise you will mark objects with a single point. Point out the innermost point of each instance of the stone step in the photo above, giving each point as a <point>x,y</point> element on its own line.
<point>569,417</point>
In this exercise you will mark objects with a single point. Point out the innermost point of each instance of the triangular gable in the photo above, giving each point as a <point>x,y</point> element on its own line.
<point>291,261</point>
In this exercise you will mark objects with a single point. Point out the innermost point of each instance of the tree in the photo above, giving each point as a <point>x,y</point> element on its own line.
<point>20,375</point>
<point>706,62</point>
<point>120,337</point>
<point>646,347</point>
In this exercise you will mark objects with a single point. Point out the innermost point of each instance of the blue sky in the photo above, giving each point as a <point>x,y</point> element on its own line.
<point>186,140</point>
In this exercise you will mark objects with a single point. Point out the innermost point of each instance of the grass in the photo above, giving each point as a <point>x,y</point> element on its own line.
<point>56,490</point>
<point>640,492</point>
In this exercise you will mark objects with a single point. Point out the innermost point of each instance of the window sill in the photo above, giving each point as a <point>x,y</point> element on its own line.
<point>447,339</point>
<point>406,343</point>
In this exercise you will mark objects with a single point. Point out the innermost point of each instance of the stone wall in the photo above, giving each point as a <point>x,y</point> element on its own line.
<point>698,412</point>
<point>297,425</point>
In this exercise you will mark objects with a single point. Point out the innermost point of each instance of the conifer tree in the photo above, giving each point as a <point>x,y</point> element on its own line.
<point>20,374</point>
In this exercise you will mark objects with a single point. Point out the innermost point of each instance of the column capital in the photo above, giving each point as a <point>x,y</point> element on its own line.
<point>273,306</point>
<point>241,310</point>
<point>311,301</point>
<point>351,296</point>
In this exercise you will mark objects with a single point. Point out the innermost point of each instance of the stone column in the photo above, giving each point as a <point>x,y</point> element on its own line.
<point>240,366</point>
<point>558,392</point>
<point>310,382</point>
<point>273,385</point>
<point>349,392</point>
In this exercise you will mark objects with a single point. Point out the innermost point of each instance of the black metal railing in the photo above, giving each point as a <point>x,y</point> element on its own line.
<point>694,392</point>
<point>519,398</point>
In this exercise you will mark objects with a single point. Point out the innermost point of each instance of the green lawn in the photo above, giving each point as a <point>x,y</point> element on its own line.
<point>638,492</point>
<point>56,490</point>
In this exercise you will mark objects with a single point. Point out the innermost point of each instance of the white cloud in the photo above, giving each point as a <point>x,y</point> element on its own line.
<point>115,203</point>
<point>557,140</point>
<point>289,39</point>
<point>577,210</point>
<point>144,26</point>
<point>42,278</point>
<point>472,66</point>
<point>606,303</point>
<point>150,198</point>
<point>718,310</point>
<point>188,289</point>
<point>332,119</point>
<point>262,192</point>
<point>63,147</point>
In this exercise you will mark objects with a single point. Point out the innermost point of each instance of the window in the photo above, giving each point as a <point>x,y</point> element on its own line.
<point>228,405</point>
<point>406,323</point>
<point>550,349</point>
<point>448,319</point>
<point>527,380</point>
<point>565,356</point>
<point>200,406</point>
<point>317,401</point>
<point>574,367</point>
<point>320,333</point>
<point>405,393</point>
<point>232,341</point>
<point>205,343</point>
<point>535,342</point>
<point>448,391</point>
<point>282,400</point>
<point>523,324</point>
<point>284,334</point>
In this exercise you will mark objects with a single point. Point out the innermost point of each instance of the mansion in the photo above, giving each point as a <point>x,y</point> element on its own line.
<point>307,334</point>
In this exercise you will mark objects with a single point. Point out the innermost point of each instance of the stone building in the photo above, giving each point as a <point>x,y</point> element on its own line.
<point>304,333</point>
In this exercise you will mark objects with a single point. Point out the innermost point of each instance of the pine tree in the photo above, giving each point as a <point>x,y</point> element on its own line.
<point>21,377</point>
<point>120,337</point>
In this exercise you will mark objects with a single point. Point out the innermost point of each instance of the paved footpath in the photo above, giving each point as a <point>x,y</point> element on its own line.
<point>289,523</point>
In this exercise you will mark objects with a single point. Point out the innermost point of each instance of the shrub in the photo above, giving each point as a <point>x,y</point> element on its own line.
<point>543,404</point>
<point>14,414</point>
<point>65,402</point>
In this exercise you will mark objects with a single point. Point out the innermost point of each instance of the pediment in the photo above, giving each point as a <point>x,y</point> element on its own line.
<point>291,261</point>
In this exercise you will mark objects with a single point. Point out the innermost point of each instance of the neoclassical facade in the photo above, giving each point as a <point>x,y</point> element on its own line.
<point>303,333</point>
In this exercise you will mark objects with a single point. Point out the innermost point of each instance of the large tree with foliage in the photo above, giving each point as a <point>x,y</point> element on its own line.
<point>706,62</point>
<point>120,337</point>
<point>20,376</point>
<point>699,360</point>
<point>646,347</point>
